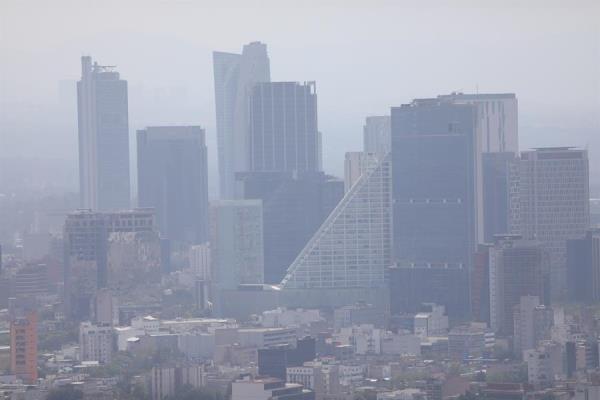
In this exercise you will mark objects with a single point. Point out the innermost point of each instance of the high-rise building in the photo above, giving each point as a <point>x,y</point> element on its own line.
<point>552,204</point>
<point>86,239</point>
<point>95,342</point>
<point>173,178</point>
<point>282,127</point>
<point>294,206</point>
<point>236,243</point>
<point>377,135</point>
<point>234,75</point>
<point>437,195</point>
<point>532,323</point>
<point>515,270</point>
<point>103,137</point>
<point>583,268</point>
<point>497,118</point>
<point>498,168</point>
<point>355,164</point>
<point>23,346</point>
<point>352,248</point>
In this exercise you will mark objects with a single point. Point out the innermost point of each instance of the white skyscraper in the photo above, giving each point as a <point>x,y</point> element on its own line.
<point>234,75</point>
<point>103,137</point>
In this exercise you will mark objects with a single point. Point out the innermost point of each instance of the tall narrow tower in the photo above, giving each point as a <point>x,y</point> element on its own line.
<point>234,76</point>
<point>103,137</point>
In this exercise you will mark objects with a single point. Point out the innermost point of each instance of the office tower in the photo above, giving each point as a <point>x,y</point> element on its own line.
<point>515,270</point>
<point>172,178</point>
<point>437,197</point>
<point>377,135</point>
<point>30,281</point>
<point>583,268</point>
<point>352,248</point>
<point>552,200</point>
<point>497,119</point>
<point>103,137</point>
<point>86,238</point>
<point>236,243</point>
<point>23,345</point>
<point>498,168</point>
<point>355,164</point>
<point>234,75</point>
<point>282,127</point>
<point>95,342</point>
<point>294,206</point>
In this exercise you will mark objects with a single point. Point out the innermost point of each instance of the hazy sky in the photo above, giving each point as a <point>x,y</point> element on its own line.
<point>365,57</point>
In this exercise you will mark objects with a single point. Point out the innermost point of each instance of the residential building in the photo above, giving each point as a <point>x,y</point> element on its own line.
<point>95,342</point>
<point>173,179</point>
<point>552,204</point>
<point>103,137</point>
<point>23,346</point>
<point>234,76</point>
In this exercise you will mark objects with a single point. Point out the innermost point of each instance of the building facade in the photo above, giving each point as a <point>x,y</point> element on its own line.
<point>377,135</point>
<point>552,205</point>
<point>103,137</point>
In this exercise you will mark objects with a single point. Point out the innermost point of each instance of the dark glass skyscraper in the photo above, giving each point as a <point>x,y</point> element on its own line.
<point>435,160</point>
<point>283,132</point>
<point>172,178</point>
<point>103,137</point>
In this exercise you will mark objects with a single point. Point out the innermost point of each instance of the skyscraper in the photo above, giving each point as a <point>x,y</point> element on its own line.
<point>377,135</point>
<point>103,137</point>
<point>294,206</point>
<point>437,192</point>
<point>583,268</point>
<point>234,75</point>
<point>352,248</point>
<point>23,345</point>
<point>283,132</point>
<point>552,204</point>
<point>355,164</point>
<point>172,178</point>
<point>497,191</point>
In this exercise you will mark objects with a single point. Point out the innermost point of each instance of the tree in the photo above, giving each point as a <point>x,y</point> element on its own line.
<point>66,392</point>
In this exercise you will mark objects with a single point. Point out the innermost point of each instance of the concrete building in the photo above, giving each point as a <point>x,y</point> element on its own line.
<point>360,314</point>
<point>164,381</point>
<point>469,341</point>
<point>322,378</point>
<point>248,388</point>
<point>437,195</point>
<point>543,364</point>
<point>86,238</point>
<point>431,321</point>
<point>352,248</point>
<point>95,342</point>
<point>23,346</point>
<point>173,179</point>
<point>234,76</point>
<point>515,270</point>
<point>377,135</point>
<point>288,318</point>
<point>498,168</point>
<point>552,204</point>
<point>200,261</point>
<point>283,133</point>
<point>103,137</point>
<point>236,244</point>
